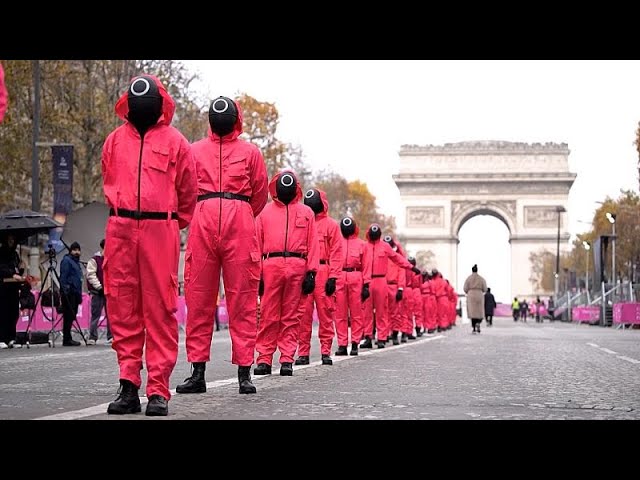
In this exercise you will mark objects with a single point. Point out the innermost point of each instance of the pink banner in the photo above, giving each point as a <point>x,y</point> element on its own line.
<point>586,314</point>
<point>44,315</point>
<point>626,313</point>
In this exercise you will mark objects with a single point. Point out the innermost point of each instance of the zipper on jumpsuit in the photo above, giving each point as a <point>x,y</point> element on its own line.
<point>139,175</point>
<point>220,199</point>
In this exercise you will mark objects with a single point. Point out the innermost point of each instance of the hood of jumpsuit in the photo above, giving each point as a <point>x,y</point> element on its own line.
<point>272,187</point>
<point>168,105</point>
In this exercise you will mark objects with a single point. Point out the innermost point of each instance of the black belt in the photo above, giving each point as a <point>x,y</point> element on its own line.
<point>379,276</point>
<point>227,195</point>
<point>138,215</point>
<point>351,269</point>
<point>392,283</point>
<point>323,262</point>
<point>284,254</point>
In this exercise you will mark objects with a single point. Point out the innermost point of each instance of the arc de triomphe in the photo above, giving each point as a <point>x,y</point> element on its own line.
<point>521,184</point>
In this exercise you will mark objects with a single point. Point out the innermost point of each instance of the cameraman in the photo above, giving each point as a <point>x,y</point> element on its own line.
<point>98,300</point>
<point>71,286</point>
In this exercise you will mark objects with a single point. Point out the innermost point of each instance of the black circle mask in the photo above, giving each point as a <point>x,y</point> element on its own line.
<point>375,232</point>
<point>286,187</point>
<point>347,227</point>
<point>145,103</point>
<point>313,201</point>
<point>223,115</point>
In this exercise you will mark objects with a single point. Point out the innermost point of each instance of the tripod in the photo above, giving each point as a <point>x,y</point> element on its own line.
<point>52,274</point>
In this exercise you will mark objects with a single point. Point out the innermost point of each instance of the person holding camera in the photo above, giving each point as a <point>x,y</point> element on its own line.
<point>71,286</point>
<point>11,279</point>
<point>98,300</point>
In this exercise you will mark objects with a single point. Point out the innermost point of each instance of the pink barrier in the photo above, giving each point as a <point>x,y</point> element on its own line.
<point>586,314</point>
<point>626,313</point>
<point>501,310</point>
<point>41,323</point>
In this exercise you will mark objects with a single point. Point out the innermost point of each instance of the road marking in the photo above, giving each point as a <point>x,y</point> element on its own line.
<point>608,351</point>
<point>102,408</point>
<point>593,345</point>
<point>628,359</point>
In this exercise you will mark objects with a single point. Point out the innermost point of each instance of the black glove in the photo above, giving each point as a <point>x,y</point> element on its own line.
<point>261,287</point>
<point>330,287</point>
<point>398,295</point>
<point>416,270</point>
<point>309,283</point>
<point>365,292</point>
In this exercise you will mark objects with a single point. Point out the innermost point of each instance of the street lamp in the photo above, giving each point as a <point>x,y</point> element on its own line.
<point>587,247</point>
<point>560,209</point>
<point>612,220</point>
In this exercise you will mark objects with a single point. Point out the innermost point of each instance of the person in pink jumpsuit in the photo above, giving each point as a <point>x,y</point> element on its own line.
<point>439,289</point>
<point>396,284</point>
<point>232,191</point>
<point>4,97</point>
<point>288,241</point>
<point>379,254</point>
<point>150,185</point>
<point>429,304</point>
<point>330,248</point>
<point>416,304</point>
<point>353,287</point>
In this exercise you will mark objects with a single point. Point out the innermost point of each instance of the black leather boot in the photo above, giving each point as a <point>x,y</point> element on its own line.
<point>410,336</point>
<point>286,369</point>
<point>354,348</point>
<point>244,379</point>
<point>380,344</point>
<point>418,332</point>
<point>394,337</point>
<point>342,351</point>
<point>157,406</point>
<point>262,369</point>
<point>302,360</point>
<point>326,359</point>
<point>366,343</point>
<point>403,339</point>
<point>196,382</point>
<point>128,400</point>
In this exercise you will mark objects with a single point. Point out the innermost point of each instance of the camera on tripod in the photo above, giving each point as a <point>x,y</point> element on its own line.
<point>51,251</point>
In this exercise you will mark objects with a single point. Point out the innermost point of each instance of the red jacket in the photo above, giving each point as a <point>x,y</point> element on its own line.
<point>289,227</point>
<point>329,238</point>
<point>230,164</point>
<point>157,175</point>
<point>356,255</point>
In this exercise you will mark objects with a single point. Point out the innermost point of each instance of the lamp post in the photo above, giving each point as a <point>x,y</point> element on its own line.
<point>560,209</point>
<point>612,220</point>
<point>587,247</point>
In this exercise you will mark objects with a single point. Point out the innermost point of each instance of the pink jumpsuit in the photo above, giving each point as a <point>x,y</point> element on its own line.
<point>222,236</point>
<point>330,248</point>
<point>282,228</point>
<point>153,177</point>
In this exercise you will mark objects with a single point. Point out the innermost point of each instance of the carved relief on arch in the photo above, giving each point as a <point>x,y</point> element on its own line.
<point>503,209</point>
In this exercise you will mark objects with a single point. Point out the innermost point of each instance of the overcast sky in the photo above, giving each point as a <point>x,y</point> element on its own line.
<point>353,116</point>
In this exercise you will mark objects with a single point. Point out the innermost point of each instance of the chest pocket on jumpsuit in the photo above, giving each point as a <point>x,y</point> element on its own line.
<point>237,173</point>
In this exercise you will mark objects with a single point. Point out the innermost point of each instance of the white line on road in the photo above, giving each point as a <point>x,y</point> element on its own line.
<point>593,345</point>
<point>102,408</point>
<point>628,359</point>
<point>608,351</point>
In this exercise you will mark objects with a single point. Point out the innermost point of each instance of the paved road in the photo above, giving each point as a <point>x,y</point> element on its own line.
<point>510,371</point>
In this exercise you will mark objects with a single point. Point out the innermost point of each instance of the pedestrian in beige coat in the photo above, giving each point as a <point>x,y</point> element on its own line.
<point>475,286</point>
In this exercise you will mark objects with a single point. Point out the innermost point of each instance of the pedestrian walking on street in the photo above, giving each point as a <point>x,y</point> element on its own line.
<point>475,287</point>
<point>489,306</point>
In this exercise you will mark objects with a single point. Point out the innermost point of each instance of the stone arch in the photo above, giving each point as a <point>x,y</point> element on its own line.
<point>473,209</point>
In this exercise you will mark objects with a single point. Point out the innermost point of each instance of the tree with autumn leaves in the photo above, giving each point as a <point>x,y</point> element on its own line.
<point>78,97</point>
<point>626,208</point>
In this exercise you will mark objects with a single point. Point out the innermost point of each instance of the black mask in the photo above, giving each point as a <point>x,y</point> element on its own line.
<point>223,115</point>
<point>145,103</point>
<point>286,187</point>
<point>389,240</point>
<point>347,227</point>
<point>412,261</point>
<point>313,201</point>
<point>374,232</point>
